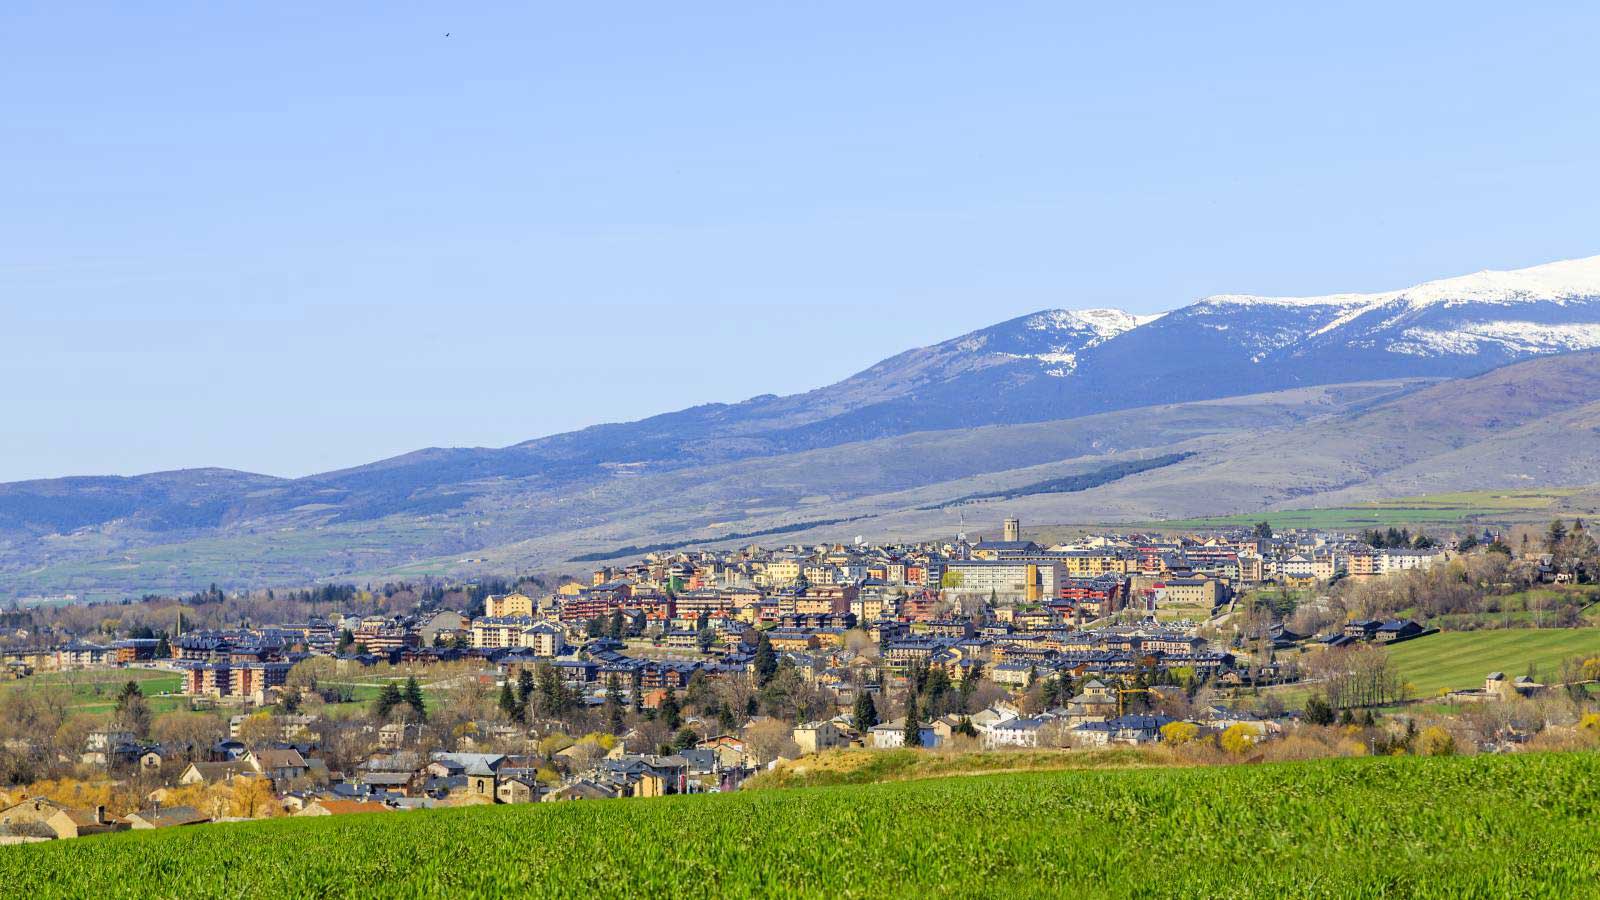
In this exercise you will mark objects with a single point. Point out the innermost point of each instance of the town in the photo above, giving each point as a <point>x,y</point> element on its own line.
<point>711,670</point>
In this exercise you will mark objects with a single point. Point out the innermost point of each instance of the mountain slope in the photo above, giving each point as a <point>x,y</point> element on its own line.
<point>584,488</point>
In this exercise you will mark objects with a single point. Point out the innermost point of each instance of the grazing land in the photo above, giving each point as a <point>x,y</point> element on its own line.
<point>1462,507</point>
<point>1330,827</point>
<point>1460,659</point>
<point>96,691</point>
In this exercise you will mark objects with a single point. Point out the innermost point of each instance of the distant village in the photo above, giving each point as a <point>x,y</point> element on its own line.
<point>695,671</point>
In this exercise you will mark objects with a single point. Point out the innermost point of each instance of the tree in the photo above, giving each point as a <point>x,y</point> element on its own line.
<point>1263,530</point>
<point>1435,741</point>
<point>524,687</point>
<point>1178,733</point>
<point>766,660</point>
<point>685,739</point>
<point>1554,535</point>
<point>614,630</point>
<point>508,702</point>
<point>913,730</point>
<point>669,711</point>
<point>346,638</point>
<point>163,647</point>
<point>388,699</point>
<point>132,710</point>
<point>865,714</point>
<point>1318,711</point>
<point>1237,739</point>
<point>614,713</point>
<point>413,697</point>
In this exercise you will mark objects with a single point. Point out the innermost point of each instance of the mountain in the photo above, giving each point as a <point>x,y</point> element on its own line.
<point>1057,393</point>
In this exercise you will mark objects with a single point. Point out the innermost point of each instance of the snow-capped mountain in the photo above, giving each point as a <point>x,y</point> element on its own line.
<point>1043,367</point>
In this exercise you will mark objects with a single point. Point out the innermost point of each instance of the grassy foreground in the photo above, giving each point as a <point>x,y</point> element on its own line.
<point>1411,827</point>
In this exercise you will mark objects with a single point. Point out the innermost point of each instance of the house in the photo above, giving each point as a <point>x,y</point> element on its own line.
<point>39,817</point>
<point>583,789</point>
<point>1018,732</point>
<point>213,772</point>
<point>165,817</point>
<point>518,789</point>
<point>1398,630</point>
<point>329,807</point>
<point>890,735</point>
<point>815,737</point>
<point>278,765</point>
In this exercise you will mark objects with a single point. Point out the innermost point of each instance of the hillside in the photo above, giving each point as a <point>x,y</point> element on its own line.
<point>1345,827</point>
<point>1051,394</point>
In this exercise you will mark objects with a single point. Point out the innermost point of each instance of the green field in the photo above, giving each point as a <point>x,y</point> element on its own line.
<point>1460,659</point>
<point>1480,507</point>
<point>95,691</point>
<point>1489,826</point>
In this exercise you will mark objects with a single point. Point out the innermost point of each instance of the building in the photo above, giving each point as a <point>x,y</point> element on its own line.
<point>508,606</point>
<point>46,818</point>
<point>1031,580</point>
<point>815,737</point>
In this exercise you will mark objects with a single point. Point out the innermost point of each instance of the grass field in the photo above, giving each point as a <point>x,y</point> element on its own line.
<point>1460,659</point>
<point>1488,507</point>
<point>1402,827</point>
<point>95,691</point>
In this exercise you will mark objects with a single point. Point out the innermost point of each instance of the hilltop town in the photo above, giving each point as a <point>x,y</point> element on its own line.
<point>699,670</point>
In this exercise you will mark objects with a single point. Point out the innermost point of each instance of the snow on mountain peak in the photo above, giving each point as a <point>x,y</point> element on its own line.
<point>1107,323</point>
<point>1558,281</point>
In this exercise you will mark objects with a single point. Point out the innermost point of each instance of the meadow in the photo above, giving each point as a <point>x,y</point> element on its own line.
<point>1460,659</point>
<point>95,691</point>
<point>1485,507</point>
<point>1485,826</point>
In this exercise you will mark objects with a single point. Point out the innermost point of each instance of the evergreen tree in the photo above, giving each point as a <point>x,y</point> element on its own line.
<point>614,717</point>
<point>524,687</point>
<point>913,730</point>
<point>614,631</point>
<point>388,699</point>
<point>1553,536</point>
<point>766,661</point>
<point>508,702</point>
<point>685,739</point>
<point>163,647</point>
<point>669,712</point>
<point>1318,712</point>
<point>413,697</point>
<point>866,712</point>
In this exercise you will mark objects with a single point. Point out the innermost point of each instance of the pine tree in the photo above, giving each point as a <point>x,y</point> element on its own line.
<point>669,710</point>
<point>524,687</point>
<point>508,702</point>
<point>913,731</point>
<point>614,718</point>
<point>866,712</point>
<point>766,661</point>
<point>388,699</point>
<point>413,697</point>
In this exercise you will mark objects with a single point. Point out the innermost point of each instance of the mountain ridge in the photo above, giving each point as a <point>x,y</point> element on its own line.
<point>1050,366</point>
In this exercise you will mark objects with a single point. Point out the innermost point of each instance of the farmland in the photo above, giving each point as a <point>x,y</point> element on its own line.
<point>1476,507</point>
<point>1460,659</point>
<point>1491,827</point>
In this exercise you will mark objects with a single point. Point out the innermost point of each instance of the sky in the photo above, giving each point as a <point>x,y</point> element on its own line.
<point>288,238</point>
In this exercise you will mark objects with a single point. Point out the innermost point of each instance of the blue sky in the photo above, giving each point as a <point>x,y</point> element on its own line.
<point>307,236</point>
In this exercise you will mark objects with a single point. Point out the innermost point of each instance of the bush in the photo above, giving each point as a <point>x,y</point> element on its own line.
<point>1435,741</point>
